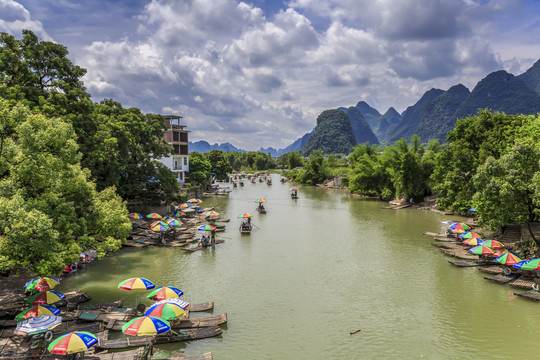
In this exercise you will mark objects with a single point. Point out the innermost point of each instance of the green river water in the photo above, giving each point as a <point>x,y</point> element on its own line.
<point>318,267</point>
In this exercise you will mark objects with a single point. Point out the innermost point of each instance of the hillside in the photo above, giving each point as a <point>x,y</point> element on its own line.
<point>438,116</point>
<point>411,118</point>
<point>390,117</point>
<point>500,91</point>
<point>531,77</point>
<point>361,130</point>
<point>371,115</point>
<point>203,146</point>
<point>333,134</point>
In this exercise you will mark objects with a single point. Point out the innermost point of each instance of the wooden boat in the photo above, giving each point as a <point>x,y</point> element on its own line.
<point>60,329</point>
<point>294,196</point>
<point>197,248</point>
<point>201,307</point>
<point>72,299</point>
<point>245,229</point>
<point>182,323</point>
<point>126,343</point>
<point>253,181</point>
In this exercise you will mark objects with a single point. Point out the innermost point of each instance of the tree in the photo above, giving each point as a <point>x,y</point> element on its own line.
<point>294,159</point>
<point>219,164</point>
<point>199,168</point>
<point>315,170</point>
<point>506,187</point>
<point>50,211</point>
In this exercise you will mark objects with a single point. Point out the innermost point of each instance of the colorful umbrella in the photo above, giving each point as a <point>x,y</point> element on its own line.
<point>38,324</point>
<point>481,250</point>
<point>135,216</point>
<point>160,226</point>
<point>531,265</point>
<point>153,216</point>
<point>45,297</point>
<point>174,222</point>
<point>42,283</point>
<point>194,201</point>
<point>166,219</point>
<point>211,213</point>
<point>459,227</point>
<point>178,213</point>
<point>206,228</point>
<point>260,201</point>
<point>470,235</point>
<point>167,311</point>
<point>293,189</point>
<point>494,244</point>
<point>500,252</point>
<point>176,301</point>
<point>165,292</point>
<point>509,258</point>
<point>245,216</point>
<point>472,241</point>
<point>146,325</point>
<point>37,310</point>
<point>73,342</point>
<point>184,205</point>
<point>136,283</point>
<point>520,264</point>
<point>472,209</point>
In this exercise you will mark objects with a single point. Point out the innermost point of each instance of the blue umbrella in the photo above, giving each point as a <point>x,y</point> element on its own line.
<point>472,209</point>
<point>38,324</point>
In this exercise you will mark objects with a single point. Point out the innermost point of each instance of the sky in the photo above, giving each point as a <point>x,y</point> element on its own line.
<point>258,73</point>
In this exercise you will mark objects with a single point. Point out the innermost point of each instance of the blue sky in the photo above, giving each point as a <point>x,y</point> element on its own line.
<point>257,73</point>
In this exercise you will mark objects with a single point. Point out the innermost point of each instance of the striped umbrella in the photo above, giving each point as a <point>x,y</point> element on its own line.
<point>167,311</point>
<point>293,189</point>
<point>194,201</point>
<point>135,216</point>
<point>42,283</point>
<point>146,325</point>
<point>73,342</point>
<point>211,213</point>
<point>160,226</point>
<point>136,283</point>
<point>38,324</point>
<point>531,265</point>
<point>37,310</point>
<point>45,297</point>
<point>260,201</point>
<point>206,228</point>
<point>472,241</point>
<point>184,205</point>
<point>245,216</point>
<point>174,222</point>
<point>494,244</point>
<point>520,264</point>
<point>459,227</point>
<point>481,250</point>
<point>470,235</point>
<point>178,213</point>
<point>165,292</point>
<point>184,305</point>
<point>509,258</point>
<point>153,216</point>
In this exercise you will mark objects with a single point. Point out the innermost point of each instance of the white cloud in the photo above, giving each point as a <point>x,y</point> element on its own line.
<point>14,18</point>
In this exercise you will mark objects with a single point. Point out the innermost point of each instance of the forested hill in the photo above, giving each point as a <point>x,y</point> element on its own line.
<point>333,134</point>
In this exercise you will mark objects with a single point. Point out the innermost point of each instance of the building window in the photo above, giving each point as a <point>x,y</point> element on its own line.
<point>185,161</point>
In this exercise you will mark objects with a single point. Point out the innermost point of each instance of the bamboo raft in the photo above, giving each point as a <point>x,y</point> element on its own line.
<point>495,269</point>
<point>459,253</point>
<point>191,323</point>
<point>72,299</point>
<point>531,295</point>
<point>523,282</point>
<point>397,207</point>
<point>60,329</point>
<point>501,278</point>
<point>126,343</point>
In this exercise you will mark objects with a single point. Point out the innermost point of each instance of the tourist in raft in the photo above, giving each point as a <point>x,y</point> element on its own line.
<point>213,237</point>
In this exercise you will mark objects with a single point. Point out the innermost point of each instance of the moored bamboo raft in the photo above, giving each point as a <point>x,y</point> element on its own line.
<point>429,233</point>
<point>206,356</point>
<point>201,307</point>
<point>60,329</point>
<point>523,282</point>
<point>126,343</point>
<point>531,295</point>
<point>495,269</point>
<point>197,248</point>
<point>501,278</point>
<point>445,239</point>
<point>183,323</point>
<point>459,253</point>
<point>463,264</point>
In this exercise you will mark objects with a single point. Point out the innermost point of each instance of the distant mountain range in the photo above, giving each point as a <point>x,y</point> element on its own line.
<point>431,117</point>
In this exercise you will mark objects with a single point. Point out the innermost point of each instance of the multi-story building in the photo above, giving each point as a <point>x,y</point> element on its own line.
<point>177,138</point>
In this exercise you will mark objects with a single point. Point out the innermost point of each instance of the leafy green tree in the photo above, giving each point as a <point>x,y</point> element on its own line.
<point>49,209</point>
<point>295,159</point>
<point>199,168</point>
<point>506,188</point>
<point>315,170</point>
<point>220,166</point>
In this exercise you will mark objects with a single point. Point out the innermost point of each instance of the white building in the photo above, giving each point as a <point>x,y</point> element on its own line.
<point>177,138</point>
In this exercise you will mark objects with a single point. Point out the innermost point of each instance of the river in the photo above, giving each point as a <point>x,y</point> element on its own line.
<point>318,267</point>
